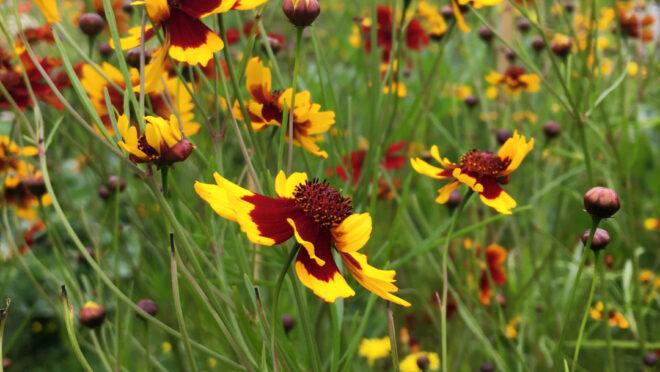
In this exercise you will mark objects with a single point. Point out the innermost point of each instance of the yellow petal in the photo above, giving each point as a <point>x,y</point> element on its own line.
<point>285,187</point>
<point>352,233</point>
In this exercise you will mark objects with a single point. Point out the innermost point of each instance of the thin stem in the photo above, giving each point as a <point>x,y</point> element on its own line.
<point>67,312</point>
<point>276,297</point>
<point>163,176</point>
<point>445,280</point>
<point>608,335</point>
<point>290,119</point>
<point>585,315</point>
<point>392,333</point>
<point>3,318</point>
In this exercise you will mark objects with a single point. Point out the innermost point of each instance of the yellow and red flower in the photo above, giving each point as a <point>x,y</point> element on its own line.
<point>187,38</point>
<point>319,218</point>
<point>633,25</point>
<point>266,108</point>
<point>492,270</point>
<point>458,6</point>
<point>11,153</point>
<point>411,362</point>
<point>515,80</point>
<point>614,318</point>
<point>432,19</point>
<point>482,171</point>
<point>162,143</point>
<point>352,170</point>
<point>24,190</point>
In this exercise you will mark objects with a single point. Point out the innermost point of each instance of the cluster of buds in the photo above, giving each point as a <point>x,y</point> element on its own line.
<point>600,203</point>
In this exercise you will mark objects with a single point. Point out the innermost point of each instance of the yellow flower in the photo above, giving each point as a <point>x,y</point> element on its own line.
<point>462,91</point>
<point>458,15</point>
<point>515,79</point>
<point>10,154</point>
<point>433,20</point>
<point>374,348</point>
<point>161,144</point>
<point>49,10</point>
<point>632,69</point>
<point>646,276</point>
<point>615,318</point>
<point>410,363</point>
<point>511,330</point>
<point>652,224</point>
<point>166,347</point>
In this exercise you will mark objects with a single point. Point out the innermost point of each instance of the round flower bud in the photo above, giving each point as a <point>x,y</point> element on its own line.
<point>148,306</point>
<point>288,322</point>
<point>569,7</point>
<point>447,12</point>
<point>487,367</point>
<point>6,363</point>
<point>91,24</point>
<point>523,25</point>
<point>601,202</point>
<point>104,192</point>
<point>510,55</point>
<point>105,50</point>
<point>127,7</point>
<point>116,184</point>
<point>486,34</point>
<point>538,44</point>
<point>301,13</point>
<point>561,45</point>
<point>423,362</point>
<point>501,135</point>
<point>600,240</point>
<point>471,101</point>
<point>650,359</point>
<point>455,199</point>
<point>176,153</point>
<point>551,129</point>
<point>36,186</point>
<point>91,315</point>
<point>133,57</point>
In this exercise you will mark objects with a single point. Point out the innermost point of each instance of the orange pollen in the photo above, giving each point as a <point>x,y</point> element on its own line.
<point>483,163</point>
<point>322,203</point>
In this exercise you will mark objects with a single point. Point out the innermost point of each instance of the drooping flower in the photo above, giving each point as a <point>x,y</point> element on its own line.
<point>319,218</point>
<point>515,80</point>
<point>411,363</point>
<point>162,143</point>
<point>187,38</point>
<point>482,171</point>
<point>375,348</point>
<point>266,108</point>
<point>166,97</point>
<point>493,270</point>
<point>458,6</point>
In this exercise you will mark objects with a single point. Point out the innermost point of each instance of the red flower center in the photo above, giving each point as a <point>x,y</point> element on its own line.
<point>483,163</point>
<point>322,203</point>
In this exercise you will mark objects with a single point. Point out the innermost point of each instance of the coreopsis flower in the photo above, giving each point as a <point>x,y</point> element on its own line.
<point>652,224</point>
<point>352,168</point>
<point>374,348</point>
<point>187,38</point>
<point>459,5</point>
<point>561,45</point>
<point>319,218</point>
<point>32,235</point>
<point>162,143</point>
<point>49,9</point>
<point>511,329</point>
<point>11,77</point>
<point>266,108</point>
<point>167,94</point>
<point>419,362</point>
<point>634,25</point>
<point>493,270</point>
<point>21,194</point>
<point>614,318</point>
<point>432,20</point>
<point>415,36</point>
<point>482,171</point>
<point>11,154</point>
<point>515,80</point>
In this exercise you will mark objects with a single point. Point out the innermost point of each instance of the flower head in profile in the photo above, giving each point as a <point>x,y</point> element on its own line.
<point>460,6</point>
<point>481,171</point>
<point>320,219</point>
<point>162,143</point>
<point>420,361</point>
<point>266,108</point>
<point>515,80</point>
<point>493,270</point>
<point>187,38</point>
<point>24,190</point>
<point>375,348</point>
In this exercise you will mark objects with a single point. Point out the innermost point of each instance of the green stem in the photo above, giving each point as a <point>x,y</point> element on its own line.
<point>392,333</point>
<point>276,297</point>
<point>445,280</point>
<point>163,176</point>
<point>71,333</point>
<point>3,318</point>
<point>608,335</point>
<point>294,79</point>
<point>585,315</point>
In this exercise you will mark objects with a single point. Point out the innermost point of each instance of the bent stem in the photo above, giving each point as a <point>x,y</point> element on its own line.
<point>445,279</point>
<point>276,296</point>
<point>585,315</point>
<point>67,313</point>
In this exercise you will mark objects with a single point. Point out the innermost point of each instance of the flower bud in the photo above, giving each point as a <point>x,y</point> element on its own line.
<point>501,135</point>
<point>487,367</point>
<point>91,24</point>
<point>486,34</point>
<point>6,363</point>
<point>650,358</point>
<point>561,45</point>
<point>91,315</point>
<point>471,101</point>
<point>288,322</point>
<point>455,199</point>
<point>510,55</point>
<point>538,44</point>
<point>105,50</point>
<point>601,202</point>
<point>423,362</point>
<point>301,13</point>
<point>127,7</point>
<point>523,25</point>
<point>551,129</point>
<point>104,192</point>
<point>447,12</point>
<point>133,57</point>
<point>600,240</point>
<point>116,184</point>
<point>176,153</point>
<point>569,7</point>
<point>148,306</point>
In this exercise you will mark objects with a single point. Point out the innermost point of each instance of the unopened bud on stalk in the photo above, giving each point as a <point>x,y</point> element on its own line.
<point>423,362</point>
<point>650,358</point>
<point>116,184</point>
<point>104,192</point>
<point>288,322</point>
<point>455,199</point>
<point>487,367</point>
<point>538,44</point>
<point>301,13</point>
<point>447,12</point>
<point>471,101</point>
<point>551,129</point>
<point>561,45</point>
<point>523,25</point>
<point>127,7</point>
<point>486,34</point>
<point>105,50</point>
<point>569,7</point>
<point>6,363</point>
<point>510,55</point>
<point>600,240</point>
<point>91,24</point>
<point>501,135</point>
<point>91,315</point>
<point>148,306</point>
<point>601,202</point>
<point>133,57</point>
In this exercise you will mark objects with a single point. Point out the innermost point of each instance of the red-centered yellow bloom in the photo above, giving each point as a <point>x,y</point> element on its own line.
<point>319,218</point>
<point>614,318</point>
<point>482,171</point>
<point>410,362</point>
<point>432,19</point>
<point>266,107</point>
<point>49,10</point>
<point>167,94</point>
<point>187,38</point>
<point>24,190</point>
<point>162,143</point>
<point>515,80</point>
<point>476,4</point>
<point>10,154</point>
<point>375,348</point>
